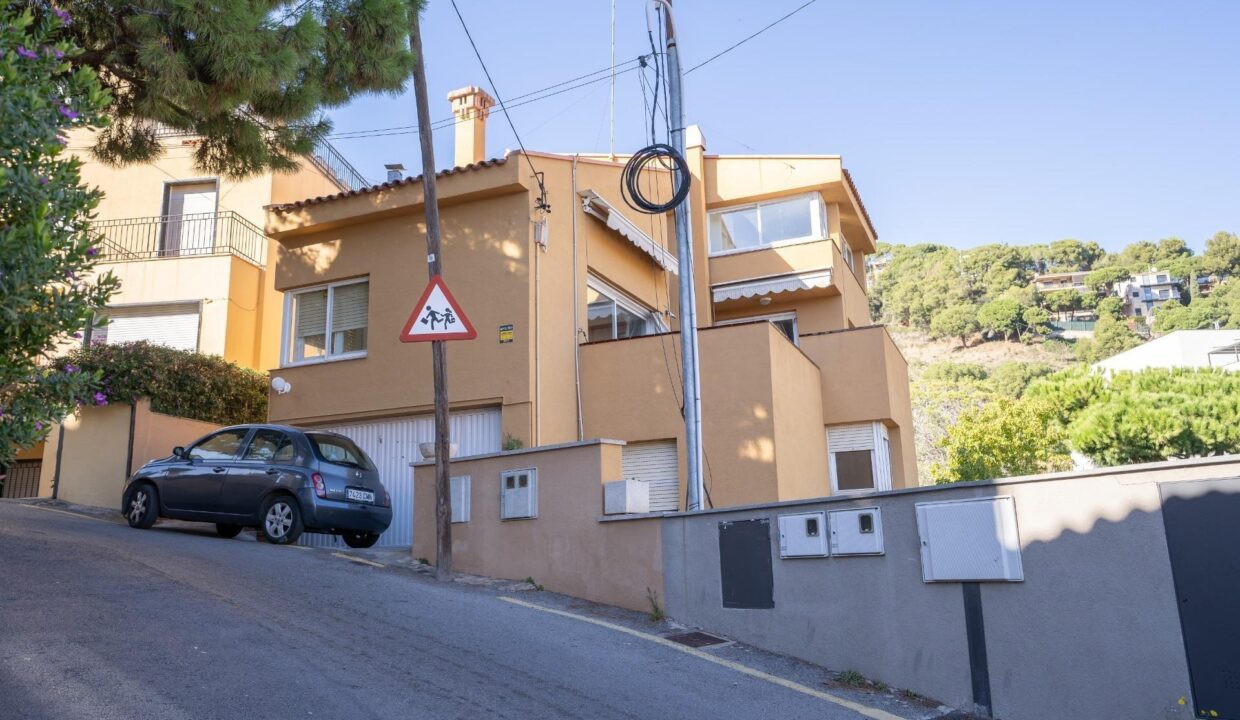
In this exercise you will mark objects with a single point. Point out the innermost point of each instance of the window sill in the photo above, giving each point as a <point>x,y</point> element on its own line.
<point>771,246</point>
<point>325,360</point>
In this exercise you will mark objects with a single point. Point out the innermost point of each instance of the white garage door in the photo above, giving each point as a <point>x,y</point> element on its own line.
<point>655,463</point>
<point>393,444</point>
<point>174,325</point>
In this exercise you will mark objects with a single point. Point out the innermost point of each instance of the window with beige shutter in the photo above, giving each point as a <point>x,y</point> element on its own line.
<point>327,322</point>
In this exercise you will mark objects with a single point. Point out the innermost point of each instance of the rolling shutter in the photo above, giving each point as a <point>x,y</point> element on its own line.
<point>864,437</point>
<point>655,463</point>
<point>172,325</point>
<point>393,444</point>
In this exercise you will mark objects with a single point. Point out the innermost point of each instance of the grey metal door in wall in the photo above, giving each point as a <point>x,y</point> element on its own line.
<point>745,564</point>
<point>1203,537</point>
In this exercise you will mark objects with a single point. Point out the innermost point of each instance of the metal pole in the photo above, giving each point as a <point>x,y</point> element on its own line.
<point>688,305</point>
<point>430,196</point>
<point>612,105</point>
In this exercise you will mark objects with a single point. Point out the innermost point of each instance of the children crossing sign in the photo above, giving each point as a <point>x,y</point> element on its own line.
<point>437,316</point>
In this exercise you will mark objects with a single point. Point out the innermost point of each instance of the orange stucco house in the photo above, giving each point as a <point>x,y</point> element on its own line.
<point>576,313</point>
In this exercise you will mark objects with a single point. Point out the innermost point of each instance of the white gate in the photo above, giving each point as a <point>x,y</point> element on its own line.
<point>393,444</point>
<point>655,463</point>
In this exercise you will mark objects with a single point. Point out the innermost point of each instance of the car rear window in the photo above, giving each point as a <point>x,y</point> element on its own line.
<point>339,451</point>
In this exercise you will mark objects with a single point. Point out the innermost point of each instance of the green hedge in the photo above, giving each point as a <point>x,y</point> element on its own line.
<point>181,383</point>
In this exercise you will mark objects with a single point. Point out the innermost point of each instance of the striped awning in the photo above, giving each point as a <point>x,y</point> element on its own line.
<point>595,205</point>
<point>772,285</point>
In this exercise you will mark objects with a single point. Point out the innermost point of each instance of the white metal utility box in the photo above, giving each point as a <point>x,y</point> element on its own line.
<point>969,540</point>
<point>857,531</point>
<point>623,497</point>
<point>803,535</point>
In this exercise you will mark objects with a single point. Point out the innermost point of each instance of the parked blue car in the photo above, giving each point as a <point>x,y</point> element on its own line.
<point>279,479</point>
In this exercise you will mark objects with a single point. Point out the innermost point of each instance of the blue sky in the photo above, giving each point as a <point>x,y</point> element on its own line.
<point>962,122</point>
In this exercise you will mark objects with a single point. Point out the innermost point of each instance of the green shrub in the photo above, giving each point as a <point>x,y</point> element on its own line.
<point>181,383</point>
<point>953,372</point>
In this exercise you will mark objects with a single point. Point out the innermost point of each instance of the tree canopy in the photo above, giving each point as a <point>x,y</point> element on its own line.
<point>250,77</point>
<point>48,284</point>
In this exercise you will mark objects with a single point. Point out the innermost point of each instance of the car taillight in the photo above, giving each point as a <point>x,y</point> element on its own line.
<point>319,488</point>
<point>387,499</point>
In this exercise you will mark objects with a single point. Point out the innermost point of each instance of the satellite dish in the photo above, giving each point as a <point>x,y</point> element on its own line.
<point>281,386</point>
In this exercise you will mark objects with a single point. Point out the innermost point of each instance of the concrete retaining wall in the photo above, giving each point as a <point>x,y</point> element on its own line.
<point>1092,631</point>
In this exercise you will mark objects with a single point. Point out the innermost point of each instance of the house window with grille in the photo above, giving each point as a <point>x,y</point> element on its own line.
<point>328,322</point>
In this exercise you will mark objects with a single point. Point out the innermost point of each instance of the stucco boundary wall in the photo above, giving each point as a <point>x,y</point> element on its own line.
<point>1092,631</point>
<point>568,548</point>
<point>102,446</point>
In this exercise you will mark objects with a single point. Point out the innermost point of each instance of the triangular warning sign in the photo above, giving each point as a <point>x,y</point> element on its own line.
<point>437,316</point>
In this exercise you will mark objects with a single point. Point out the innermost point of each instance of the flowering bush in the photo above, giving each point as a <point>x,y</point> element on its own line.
<point>186,384</point>
<point>48,289</point>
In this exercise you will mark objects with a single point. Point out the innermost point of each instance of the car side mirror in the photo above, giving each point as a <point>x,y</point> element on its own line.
<point>178,451</point>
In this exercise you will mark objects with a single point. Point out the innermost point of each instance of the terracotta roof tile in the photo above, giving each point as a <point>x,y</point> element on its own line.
<point>284,207</point>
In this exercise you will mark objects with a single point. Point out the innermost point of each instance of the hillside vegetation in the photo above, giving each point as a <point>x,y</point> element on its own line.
<point>986,371</point>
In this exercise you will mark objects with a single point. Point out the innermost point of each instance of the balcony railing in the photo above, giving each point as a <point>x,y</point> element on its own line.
<point>177,236</point>
<point>330,161</point>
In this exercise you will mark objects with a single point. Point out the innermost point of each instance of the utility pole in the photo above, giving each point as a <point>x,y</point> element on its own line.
<point>612,105</point>
<point>430,204</point>
<point>684,252</point>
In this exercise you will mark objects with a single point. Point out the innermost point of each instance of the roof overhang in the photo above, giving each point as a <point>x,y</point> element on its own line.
<point>593,204</point>
<point>816,279</point>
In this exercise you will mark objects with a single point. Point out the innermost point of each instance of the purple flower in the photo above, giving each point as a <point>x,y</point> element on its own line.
<point>28,54</point>
<point>71,369</point>
<point>38,426</point>
<point>67,112</point>
<point>70,275</point>
<point>101,399</point>
<point>64,16</point>
<point>43,180</point>
<point>92,251</point>
<point>77,336</point>
<point>54,52</point>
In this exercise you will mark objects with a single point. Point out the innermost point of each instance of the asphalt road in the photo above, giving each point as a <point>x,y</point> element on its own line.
<point>101,621</point>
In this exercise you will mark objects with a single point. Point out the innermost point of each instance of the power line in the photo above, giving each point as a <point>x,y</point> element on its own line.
<point>444,122</point>
<point>542,190</point>
<point>729,49</point>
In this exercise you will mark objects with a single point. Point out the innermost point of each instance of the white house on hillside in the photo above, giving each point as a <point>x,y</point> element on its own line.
<point>1183,348</point>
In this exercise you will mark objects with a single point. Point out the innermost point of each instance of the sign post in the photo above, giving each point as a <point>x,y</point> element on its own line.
<point>434,327</point>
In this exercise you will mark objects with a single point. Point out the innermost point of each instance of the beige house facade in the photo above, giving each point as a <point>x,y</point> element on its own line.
<point>577,320</point>
<point>189,248</point>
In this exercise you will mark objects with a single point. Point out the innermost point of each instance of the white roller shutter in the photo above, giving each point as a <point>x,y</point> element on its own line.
<point>172,325</point>
<point>393,444</point>
<point>871,436</point>
<point>655,463</point>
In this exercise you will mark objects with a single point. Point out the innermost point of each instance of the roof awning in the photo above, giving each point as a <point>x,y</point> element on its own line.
<point>772,285</point>
<point>595,205</point>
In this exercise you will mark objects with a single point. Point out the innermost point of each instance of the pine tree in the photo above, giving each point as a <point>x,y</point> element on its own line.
<point>250,77</point>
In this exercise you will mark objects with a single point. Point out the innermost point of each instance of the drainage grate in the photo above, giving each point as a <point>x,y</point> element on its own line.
<point>696,639</point>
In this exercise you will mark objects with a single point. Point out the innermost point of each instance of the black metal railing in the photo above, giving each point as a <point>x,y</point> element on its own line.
<point>190,235</point>
<point>330,161</point>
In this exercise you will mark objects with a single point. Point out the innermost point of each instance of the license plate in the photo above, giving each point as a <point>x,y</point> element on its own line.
<point>367,496</point>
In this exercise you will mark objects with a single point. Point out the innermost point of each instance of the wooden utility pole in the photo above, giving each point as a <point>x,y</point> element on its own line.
<point>430,204</point>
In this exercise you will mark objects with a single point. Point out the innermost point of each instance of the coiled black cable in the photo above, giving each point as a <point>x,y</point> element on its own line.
<point>662,157</point>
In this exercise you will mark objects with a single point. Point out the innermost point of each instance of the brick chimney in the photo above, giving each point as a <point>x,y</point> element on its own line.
<point>470,105</point>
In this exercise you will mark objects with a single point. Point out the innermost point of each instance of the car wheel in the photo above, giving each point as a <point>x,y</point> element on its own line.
<point>142,510</point>
<point>360,539</point>
<point>281,520</point>
<point>226,530</point>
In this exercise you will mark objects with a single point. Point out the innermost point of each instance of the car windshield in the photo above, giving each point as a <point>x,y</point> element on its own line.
<point>339,450</point>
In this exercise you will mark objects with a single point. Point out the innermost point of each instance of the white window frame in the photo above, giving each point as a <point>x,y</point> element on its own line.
<point>819,225</point>
<point>626,301</point>
<point>769,317</point>
<point>880,465</point>
<point>533,490</point>
<point>286,332</point>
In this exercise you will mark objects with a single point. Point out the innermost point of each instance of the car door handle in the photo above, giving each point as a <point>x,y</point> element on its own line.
<point>219,469</point>
<point>273,471</point>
